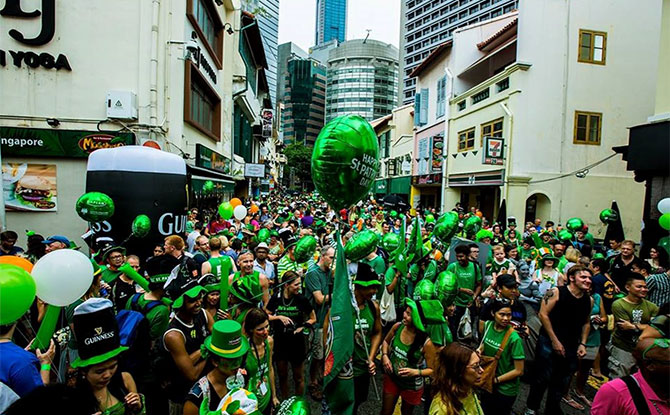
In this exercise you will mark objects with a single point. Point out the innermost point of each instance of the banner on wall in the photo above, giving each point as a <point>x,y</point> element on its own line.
<point>29,187</point>
<point>436,163</point>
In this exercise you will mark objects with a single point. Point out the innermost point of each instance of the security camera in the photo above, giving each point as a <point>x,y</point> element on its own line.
<point>192,50</point>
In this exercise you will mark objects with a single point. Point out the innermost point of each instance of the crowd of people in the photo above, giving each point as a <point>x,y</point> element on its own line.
<point>561,314</point>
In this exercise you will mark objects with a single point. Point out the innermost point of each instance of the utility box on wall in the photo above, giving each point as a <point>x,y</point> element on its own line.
<point>121,105</point>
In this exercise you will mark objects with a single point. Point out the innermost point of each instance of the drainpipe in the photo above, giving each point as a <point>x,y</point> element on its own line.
<point>153,83</point>
<point>445,153</point>
<point>508,159</point>
<point>3,215</point>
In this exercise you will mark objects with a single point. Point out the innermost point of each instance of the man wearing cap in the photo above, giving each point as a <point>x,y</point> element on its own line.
<point>367,330</point>
<point>288,262</point>
<point>644,392</point>
<point>113,257</point>
<point>261,263</point>
<point>317,290</point>
<point>182,340</point>
<point>507,290</point>
<point>56,242</point>
<point>225,350</point>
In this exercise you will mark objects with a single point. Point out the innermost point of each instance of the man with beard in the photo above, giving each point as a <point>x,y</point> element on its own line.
<point>261,264</point>
<point>564,314</point>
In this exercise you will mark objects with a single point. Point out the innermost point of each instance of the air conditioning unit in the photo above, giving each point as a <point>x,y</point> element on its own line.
<point>122,105</point>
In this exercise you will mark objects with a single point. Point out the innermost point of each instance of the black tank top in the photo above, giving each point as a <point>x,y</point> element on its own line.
<point>569,316</point>
<point>194,336</point>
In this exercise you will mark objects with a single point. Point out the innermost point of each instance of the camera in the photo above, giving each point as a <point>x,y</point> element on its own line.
<point>192,50</point>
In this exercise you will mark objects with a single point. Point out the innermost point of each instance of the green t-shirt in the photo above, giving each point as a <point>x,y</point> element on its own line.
<point>317,279</point>
<point>158,316</point>
<point>467,277</point>
<point>377,264</point>
<point>513,351</point>
<point>635,313</point>
<point>222,266</point>
<point>531,253</point>
<point>440,334</point>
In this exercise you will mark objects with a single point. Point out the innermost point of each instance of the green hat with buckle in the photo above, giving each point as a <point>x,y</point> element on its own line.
<point>189,289</point>
<point>425,312</point>
<point>227,340</point>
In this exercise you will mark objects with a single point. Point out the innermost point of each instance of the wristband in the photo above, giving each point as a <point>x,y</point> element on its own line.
<point>582,344</point>
<point>46,366</point>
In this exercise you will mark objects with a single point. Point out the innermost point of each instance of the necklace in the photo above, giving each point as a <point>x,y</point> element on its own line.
<point>284,303</point>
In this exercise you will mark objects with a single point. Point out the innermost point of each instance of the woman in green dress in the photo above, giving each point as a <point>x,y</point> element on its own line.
<point>259,360</point>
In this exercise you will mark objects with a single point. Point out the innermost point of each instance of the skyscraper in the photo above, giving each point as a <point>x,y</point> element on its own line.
<point>362,79</point>
<point>331,21</point>
<point>267,14</point>
<point>426,24</point>
<point>285,52</point>
<point>304,100</point>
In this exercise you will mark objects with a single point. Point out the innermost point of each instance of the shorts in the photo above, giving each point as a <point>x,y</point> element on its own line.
<point>591,352</point>
<point>317,344</point>
<point>620,363</point>
<point>290,349</point>
<point>412,397</point>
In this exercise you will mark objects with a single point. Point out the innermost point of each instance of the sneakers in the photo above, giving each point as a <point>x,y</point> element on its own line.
<point>529,412</point>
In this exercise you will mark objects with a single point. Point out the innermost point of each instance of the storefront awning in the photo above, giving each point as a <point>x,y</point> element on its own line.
<point>200,175</point>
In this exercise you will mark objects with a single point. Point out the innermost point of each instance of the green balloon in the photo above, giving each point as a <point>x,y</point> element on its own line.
<point>575,224</point>
<point>446,287</point>
<point>608,216</point>
<point>390,242</point>
<point>664,221</point>
<point>444,232</point>
<point>226,210</point>
<point>208,187</point>
<point>304,249</point>
<point>360,245</point>
<point>565,235</point>
<point>450,218</point>
<point>345,160</point>
<point>472,225</point>
<point>430,219</point>
<point>141,226</point>
<point>394,214</point>
<point>263,235</point>
<point>17,292</point>
<point>424,290</point>
<point>295,405</point>
<point>94,207</point>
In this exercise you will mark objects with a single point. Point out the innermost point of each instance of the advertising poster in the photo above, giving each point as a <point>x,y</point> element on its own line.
<point>438,144</point>
<point>29,187</point>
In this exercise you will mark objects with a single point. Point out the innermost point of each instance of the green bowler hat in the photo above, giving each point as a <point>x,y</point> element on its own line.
<point>227,340</point>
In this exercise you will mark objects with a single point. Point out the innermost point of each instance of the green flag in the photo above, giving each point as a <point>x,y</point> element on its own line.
<point>338,378</point>
<point>399,257</point>
<point>415,246</point>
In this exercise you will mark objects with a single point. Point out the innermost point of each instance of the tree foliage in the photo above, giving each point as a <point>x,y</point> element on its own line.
<point>299,158</point>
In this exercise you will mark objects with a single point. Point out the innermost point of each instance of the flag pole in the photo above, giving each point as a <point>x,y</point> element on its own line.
<point>365,346</point>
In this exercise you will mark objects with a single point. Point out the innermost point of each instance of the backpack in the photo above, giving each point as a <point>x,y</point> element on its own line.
<point>134,329</point>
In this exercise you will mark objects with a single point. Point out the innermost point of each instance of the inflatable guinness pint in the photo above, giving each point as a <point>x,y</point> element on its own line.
<point>140,180</point>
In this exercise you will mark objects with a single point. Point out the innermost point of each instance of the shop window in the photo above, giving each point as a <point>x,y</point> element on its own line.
<point>588,126</point>
<point>202,106</point>
<point>492,129</point>
<point>592,46</point>
<point>466,140</point>
<point>205,20</point>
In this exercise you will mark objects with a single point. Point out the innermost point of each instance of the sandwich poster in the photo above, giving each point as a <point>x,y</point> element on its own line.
<point>29,187</point>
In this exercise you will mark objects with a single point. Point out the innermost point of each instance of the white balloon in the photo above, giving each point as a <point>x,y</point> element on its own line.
<point>240,212</point>
<point>62,276</point>
<point>664,205</point>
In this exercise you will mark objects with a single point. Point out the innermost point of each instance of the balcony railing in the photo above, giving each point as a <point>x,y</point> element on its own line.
<point>491,89</point>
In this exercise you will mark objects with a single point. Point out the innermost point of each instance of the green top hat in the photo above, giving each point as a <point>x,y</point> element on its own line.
<point>247,288</point>
<point>425,312</point>
<point>227,340</point>
<point>97,332</point>
<point>365,276</point>
<point>189,289</point>
<point>113,249</point>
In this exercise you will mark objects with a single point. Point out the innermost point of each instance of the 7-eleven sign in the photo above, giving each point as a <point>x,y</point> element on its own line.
<point>493,151</point>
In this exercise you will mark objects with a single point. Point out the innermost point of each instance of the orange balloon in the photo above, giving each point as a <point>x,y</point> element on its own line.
<point>235,202</point>
<point>253,208</point>
<point>18,261</point>
<point>478,213</point>
<point>437,256</point>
